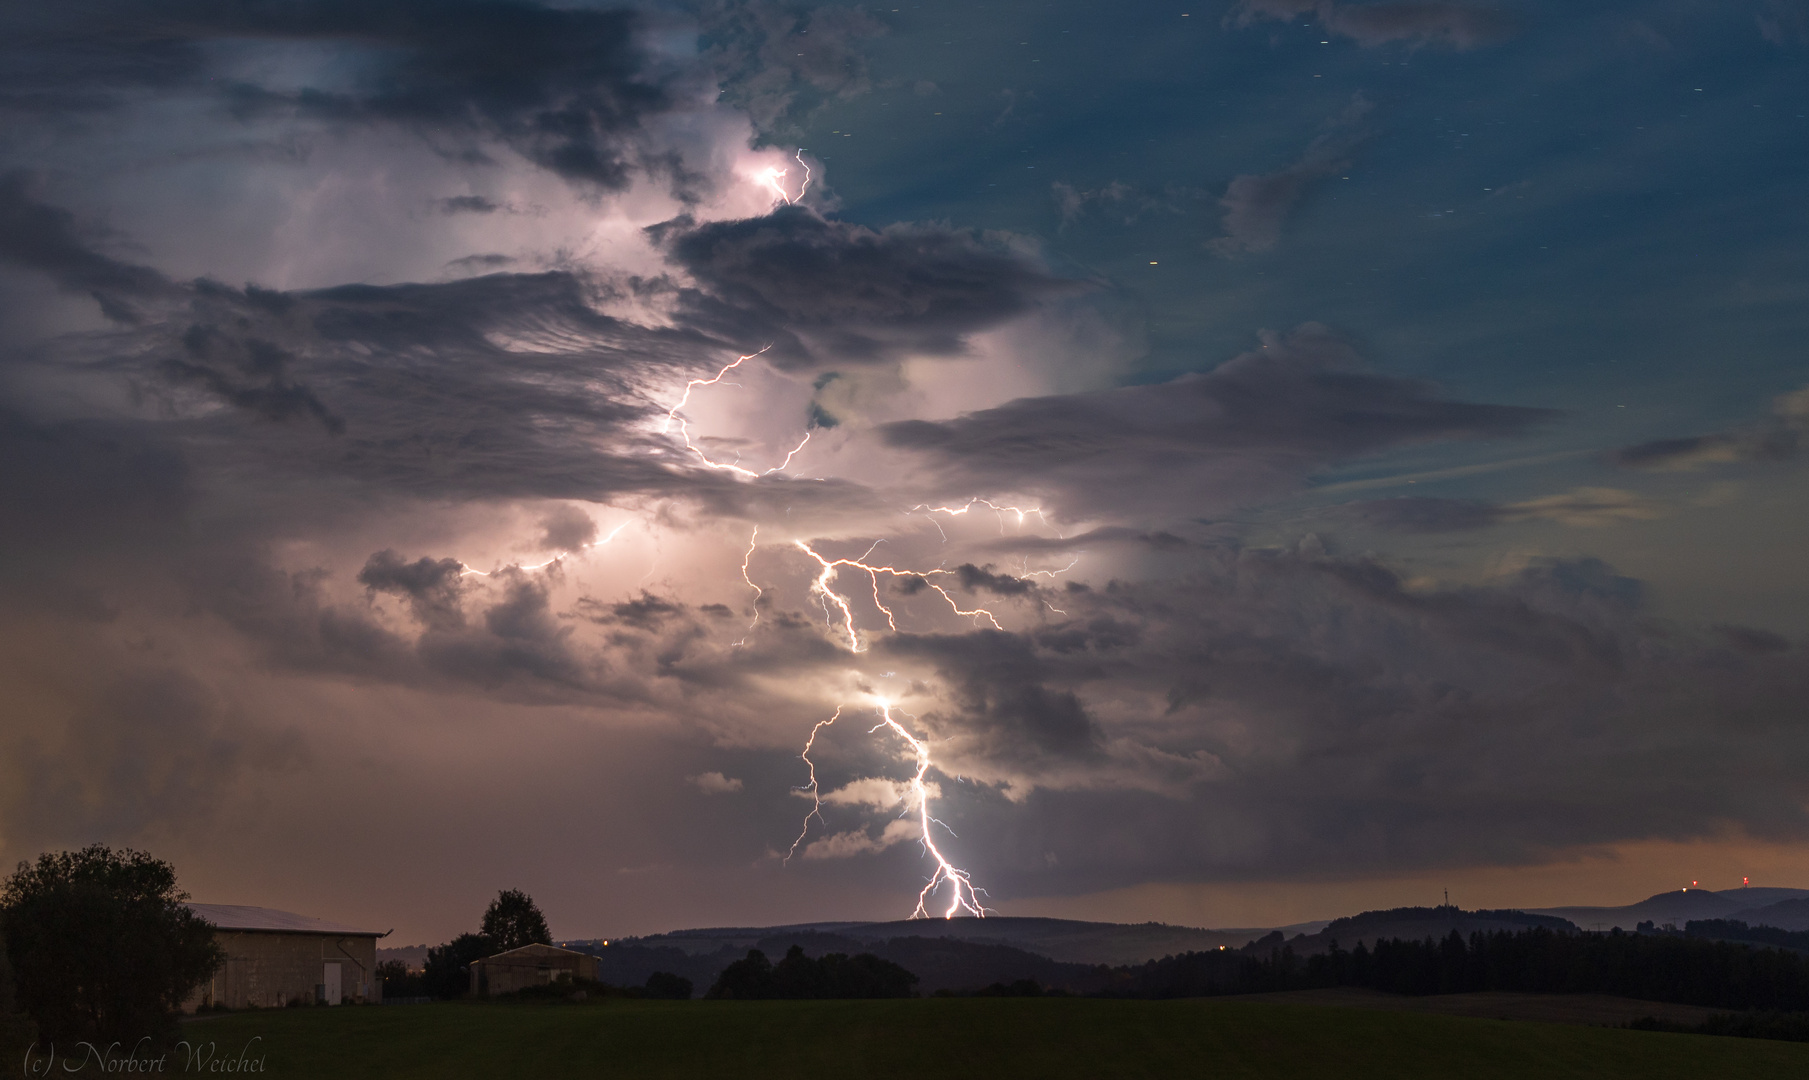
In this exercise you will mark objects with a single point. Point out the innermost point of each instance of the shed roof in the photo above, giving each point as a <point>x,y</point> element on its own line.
<point>243,917</point>
<point>535,952</point>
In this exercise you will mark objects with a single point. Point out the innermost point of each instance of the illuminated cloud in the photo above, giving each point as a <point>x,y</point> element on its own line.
<point>1256,422</point>
<point>714,783</point>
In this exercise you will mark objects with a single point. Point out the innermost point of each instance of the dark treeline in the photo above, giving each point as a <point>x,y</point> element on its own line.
<point>1692,971</point>
<point>1735,930</point>
<point>835,975</point>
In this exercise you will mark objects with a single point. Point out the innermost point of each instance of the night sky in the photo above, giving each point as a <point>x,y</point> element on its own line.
<point>1322,453</point>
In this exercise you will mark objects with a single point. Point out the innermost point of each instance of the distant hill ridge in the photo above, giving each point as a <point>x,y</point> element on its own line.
<point>968,953</point>
<point>1758,906</point>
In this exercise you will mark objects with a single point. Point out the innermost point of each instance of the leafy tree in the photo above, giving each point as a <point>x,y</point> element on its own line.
<point>512,921</point>
<point>667,986</point>
<point>747,979</point>
<point>448,972</point>
<point>102,946</point>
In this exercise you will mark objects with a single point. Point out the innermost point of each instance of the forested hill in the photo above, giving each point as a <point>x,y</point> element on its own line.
<point>1652,967</point>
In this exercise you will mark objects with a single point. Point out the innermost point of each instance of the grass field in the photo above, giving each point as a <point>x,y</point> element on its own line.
<point>998,1039</point>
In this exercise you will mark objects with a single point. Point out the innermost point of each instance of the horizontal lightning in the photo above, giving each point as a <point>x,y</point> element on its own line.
<point>831,568</point>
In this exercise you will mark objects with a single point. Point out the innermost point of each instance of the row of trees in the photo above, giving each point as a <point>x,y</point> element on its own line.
<point>836,975</point>
<point>1693,971</point>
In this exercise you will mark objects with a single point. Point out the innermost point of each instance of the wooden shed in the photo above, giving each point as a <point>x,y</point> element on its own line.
<point>276,958</point>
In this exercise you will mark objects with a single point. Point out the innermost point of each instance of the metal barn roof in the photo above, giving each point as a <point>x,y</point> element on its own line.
<point>242,917</point>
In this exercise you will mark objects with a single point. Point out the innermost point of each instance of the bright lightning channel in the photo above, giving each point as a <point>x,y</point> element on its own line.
<point>963,895</point>
<point>684,428</point>
<point>771,177</point>
<point>747,558</point>
<point>821,588</point>
<point>957,511</point>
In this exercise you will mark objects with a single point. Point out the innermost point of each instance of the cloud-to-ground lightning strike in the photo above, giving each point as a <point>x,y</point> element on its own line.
<point>964,897</point>
<point>771,177</point>
<point>684,429</point>
<point>465,570</point>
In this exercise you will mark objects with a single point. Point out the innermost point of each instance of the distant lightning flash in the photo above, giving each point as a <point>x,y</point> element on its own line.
<point>465,569</point>
<point>964,897</point>
<point>684,428</point>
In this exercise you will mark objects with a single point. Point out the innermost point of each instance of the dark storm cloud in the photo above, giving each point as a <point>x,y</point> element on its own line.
<point>46,239</point>
<point>826,292</point>
<point>567,528</point>
<point>780,61</point>
<point>972,578</point>
<point>569,88</point>
<point>1256,422</point>
<point>644,612</point>
<point>1003,709</point>
<point>1417,22</point>
<point>1365,725</point>
<point>509,385</point>
<point>468,204</point>
<point>246,373</point>
<point>432,587</point>
<point>501,636</point>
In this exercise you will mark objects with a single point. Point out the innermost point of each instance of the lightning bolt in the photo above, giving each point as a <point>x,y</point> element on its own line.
<point>831,568</point>
<point>747,558</point>
<point>684,429</point>
<point>465,569</point>
<point>963,895</point>
<point>771,177</point>
<point>957,511</point>
<point>816,793</point>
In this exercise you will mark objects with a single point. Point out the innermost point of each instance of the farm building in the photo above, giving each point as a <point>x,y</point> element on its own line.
<point>530,965</point>
<point>276,957</point>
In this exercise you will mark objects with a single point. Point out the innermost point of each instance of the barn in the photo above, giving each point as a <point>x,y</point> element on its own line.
<point>530,965</point>
<point>276,958</point>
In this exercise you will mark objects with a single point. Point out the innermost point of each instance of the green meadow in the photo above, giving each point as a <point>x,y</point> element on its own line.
<point>998,1039</point>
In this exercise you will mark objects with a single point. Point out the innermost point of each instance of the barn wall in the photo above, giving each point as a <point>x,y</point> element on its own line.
<point>266,969</point>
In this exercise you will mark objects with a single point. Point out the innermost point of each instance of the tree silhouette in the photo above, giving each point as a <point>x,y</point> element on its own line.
<point>512,921</point>
<point>101,945</point>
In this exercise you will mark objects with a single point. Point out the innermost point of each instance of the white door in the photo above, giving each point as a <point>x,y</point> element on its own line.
<point>332,981</point>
